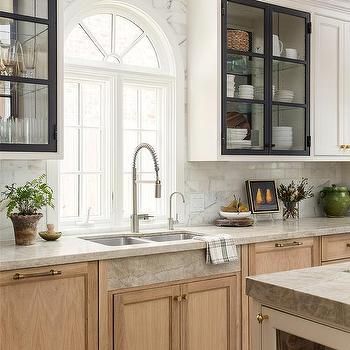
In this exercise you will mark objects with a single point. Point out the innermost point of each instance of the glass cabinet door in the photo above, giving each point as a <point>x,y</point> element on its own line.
<point>287,341</point>
<point>245,63</point>
<point>27,75</point>
<point>266,84</point>
<point>290,83</point>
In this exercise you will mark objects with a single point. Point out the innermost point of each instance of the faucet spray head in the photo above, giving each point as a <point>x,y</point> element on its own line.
<point>158,189</point>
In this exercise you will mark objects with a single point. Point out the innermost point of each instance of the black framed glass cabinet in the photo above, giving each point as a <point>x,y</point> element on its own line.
<point>265,79</point>
<point>28,75</point>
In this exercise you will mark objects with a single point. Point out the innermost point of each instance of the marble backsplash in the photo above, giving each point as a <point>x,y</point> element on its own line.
<point>217,182</point>
<point>220,181</point>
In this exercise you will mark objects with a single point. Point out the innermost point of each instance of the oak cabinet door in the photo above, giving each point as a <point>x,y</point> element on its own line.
<point>211,315</point>
<point>49,308</point>
<point>147,319</point>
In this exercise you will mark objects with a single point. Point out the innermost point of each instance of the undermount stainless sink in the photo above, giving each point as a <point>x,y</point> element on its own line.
<point>119,241</point>
<point>169,237</point>
<point>116,241</point>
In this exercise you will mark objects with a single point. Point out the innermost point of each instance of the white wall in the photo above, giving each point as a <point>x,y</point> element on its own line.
<point>217,181</point>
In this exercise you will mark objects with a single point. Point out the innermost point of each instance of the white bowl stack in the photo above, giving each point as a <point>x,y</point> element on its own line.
<point>246,91</point>
<point>236,138</point>
<point>284,96</point>
<point>282,137</point>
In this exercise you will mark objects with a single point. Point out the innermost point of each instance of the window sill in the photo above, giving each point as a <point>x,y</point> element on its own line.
<point>98,229</point>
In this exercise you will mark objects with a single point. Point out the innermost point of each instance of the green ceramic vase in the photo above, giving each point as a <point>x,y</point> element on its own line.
<point>335,201</point>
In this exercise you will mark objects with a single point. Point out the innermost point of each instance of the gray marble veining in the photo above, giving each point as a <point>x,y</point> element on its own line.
<point>319,293</point>
<point>160,268</point>
<point>73,249</point>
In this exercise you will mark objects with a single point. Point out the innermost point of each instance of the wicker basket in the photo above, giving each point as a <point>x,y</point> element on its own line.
<point>238,40</point>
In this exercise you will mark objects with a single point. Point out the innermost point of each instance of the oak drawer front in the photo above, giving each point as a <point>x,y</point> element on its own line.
<point>336,247</point>
<point>283,255</point>
<point>42,273</point>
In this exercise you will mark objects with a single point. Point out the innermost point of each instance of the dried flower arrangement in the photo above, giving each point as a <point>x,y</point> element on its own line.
<point>292,194</point>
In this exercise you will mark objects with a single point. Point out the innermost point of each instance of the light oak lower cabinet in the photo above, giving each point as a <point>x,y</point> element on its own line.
<point>335,248</point>
<point>269,257</point>
<point>200,315</point>
<point>283,255</point>
<point>49,308</point>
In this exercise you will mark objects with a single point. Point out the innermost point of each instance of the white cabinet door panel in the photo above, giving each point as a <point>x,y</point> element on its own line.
<point>329,86</point>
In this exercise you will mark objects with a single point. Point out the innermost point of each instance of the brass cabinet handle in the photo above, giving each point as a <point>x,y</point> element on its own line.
<point>344,147</point>
<point>260,317</point>
<point>178,298</point>
<point>289,244</point>
<point>348,245</point>
<point>185,297</point>
<point>21,276</point>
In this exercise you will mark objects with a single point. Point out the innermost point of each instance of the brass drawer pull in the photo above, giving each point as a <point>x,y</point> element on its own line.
<point>289,244</point>
<point>21,276</point>
<point>185,297</point>
<point>344,147</point>
<point>260,317</point>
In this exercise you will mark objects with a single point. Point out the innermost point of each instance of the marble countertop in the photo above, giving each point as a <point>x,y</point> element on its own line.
<point>319,293</point>
<point>72,249</point>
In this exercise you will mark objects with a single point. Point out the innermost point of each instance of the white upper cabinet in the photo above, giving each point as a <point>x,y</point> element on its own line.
<point>332,87</point>
<point>329,83</point>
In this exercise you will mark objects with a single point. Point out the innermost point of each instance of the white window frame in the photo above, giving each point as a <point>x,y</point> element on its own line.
<point>171,61</point>
<point>106,205</point>
<point>116,78</point>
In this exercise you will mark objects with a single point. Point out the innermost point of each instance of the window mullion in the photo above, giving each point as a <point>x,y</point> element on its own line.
<point>133,44</point>
<point>93,39</point>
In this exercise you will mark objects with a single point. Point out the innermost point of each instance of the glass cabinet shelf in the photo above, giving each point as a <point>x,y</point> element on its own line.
<point>265,79</point>
<point>24,49</point>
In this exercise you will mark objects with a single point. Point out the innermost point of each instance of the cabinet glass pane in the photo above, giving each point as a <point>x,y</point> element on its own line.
<point>286,341</point>
<point>288,128</point>
<point>289,36</point>
<point>245,77</point>
<point>24,49</point>
<point>245,28</point>
<point>23,113</point>
<point>32,8</point>
<point>244,126</point>
<point>288,82</point>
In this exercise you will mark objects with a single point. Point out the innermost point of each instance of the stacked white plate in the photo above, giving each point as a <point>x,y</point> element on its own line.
<point>282,137</point>
<point>246,91</point>
<point>235,138</point>
<point>284,96</point>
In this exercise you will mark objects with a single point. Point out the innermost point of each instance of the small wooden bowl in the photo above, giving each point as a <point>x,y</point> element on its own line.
<point>50,236</point>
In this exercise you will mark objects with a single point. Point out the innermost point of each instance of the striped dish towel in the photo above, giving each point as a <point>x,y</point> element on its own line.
<point>220,249</point>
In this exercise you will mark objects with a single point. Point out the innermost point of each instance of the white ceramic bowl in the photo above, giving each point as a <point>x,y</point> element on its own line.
<point>230,215</point>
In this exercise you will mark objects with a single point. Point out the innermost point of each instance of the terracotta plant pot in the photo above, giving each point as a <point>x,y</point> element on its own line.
<point>26,228</point>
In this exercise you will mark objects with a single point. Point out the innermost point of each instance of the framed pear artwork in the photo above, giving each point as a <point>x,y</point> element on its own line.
<point>262,196</point>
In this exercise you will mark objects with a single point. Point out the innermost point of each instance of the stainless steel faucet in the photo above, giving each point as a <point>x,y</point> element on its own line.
<point>135,217</point>
<point>171,221</point>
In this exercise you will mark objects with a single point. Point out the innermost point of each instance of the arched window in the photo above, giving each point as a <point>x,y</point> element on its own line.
<point>111,38</point>
<point>118,93</point>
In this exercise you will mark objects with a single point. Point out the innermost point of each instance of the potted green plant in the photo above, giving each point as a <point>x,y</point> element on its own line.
<point>23,204</point>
